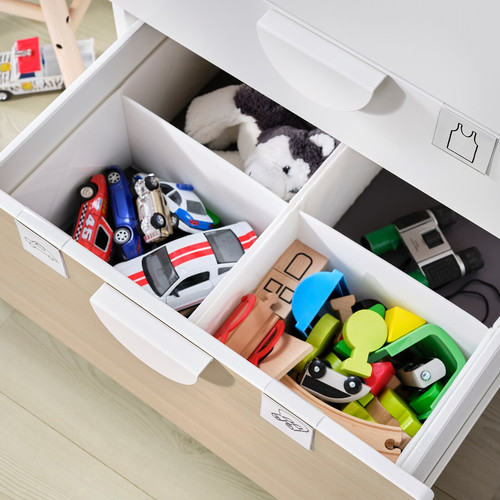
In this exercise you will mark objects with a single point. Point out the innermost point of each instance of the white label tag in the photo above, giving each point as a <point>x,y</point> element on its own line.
<point>286,422</point>
<point>464,141</point>
<point>42,249</point>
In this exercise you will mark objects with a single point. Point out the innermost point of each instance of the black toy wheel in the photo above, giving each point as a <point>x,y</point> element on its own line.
<point>158,221</point>
<point>86,191</point>
<point>5,95</point>
<point>113,176</point>
<point>317,368</point>
<point>122,235</point>
<point>151,182</point>
<point>175,221</point>
<point>352,385</point>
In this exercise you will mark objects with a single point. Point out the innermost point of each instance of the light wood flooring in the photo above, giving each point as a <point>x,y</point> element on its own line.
<point>67,431</point>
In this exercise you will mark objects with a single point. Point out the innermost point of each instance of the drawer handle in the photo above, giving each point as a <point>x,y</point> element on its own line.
<point>318,69</point>
<point>147,338</point>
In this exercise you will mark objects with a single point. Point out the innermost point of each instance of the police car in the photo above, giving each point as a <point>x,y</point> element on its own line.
<point>184,271</point>
<point>187,210</point>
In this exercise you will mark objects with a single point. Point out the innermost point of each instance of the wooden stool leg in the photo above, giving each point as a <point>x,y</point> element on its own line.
<point>63,38</point>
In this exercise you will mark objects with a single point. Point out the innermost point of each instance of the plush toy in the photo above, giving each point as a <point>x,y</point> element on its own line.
<point>273,146</point>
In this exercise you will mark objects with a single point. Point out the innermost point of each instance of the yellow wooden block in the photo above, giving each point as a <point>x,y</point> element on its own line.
<point>401,322</point>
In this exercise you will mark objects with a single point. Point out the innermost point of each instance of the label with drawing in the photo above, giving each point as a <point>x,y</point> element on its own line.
<point>462,144</point>
<point>464,140</point>
<point>41,249</point>
<point>286,422</point>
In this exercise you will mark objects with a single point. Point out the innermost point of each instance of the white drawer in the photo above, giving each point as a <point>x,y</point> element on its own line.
<point>117,114</point>
<point>307,71</point>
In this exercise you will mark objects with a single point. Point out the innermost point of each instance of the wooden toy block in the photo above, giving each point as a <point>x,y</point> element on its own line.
<point>422,403</point>
<point>280,285</point>
<point>365,331</point>
<point>311,295</point>
<point>335,362</point>
<point>382,373</point>
<point>320,337</point>
<point>295,264</point>
<point>394,384</point>
<point>428,341</point>
<point>342,306</point>
<point>365,399</point>
<point>405,439</point>
<point>401,322</point>
<point>422,374</point>
<point>398,408</point>
<point>285,355</point>
<point>299,261</point>
<point>356,410</point>
<point>380,414</point>
<point>376,435</point>
<point>249,333</point>
<point>379,309</point>
<point>341,349</point>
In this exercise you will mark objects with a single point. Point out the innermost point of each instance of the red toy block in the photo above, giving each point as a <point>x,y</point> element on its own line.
<point>382,372</point>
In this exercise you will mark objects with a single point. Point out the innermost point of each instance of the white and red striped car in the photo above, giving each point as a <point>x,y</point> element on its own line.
<point>184,271</point>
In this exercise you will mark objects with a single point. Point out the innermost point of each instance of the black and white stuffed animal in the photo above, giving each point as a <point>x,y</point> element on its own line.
<point>274,146</point>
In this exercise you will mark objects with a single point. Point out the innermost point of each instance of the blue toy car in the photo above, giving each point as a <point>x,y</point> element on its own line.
<point>126,234</point>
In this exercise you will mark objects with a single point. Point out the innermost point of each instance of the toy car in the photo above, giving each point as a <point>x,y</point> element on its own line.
<point>188,212</point>
<point>126,234</point>
<point>152,209</point>
<point>28,68</point>
<point>182,272</point>
<point>329,385</point>
<point>91,228</point>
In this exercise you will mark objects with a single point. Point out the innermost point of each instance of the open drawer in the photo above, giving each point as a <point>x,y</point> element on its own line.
<point>117,113</point>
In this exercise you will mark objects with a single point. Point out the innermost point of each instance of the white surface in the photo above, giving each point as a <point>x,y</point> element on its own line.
<point>318,69</point>
<point>10,205</point>
<point>147,338</point>
<point>447,49</point>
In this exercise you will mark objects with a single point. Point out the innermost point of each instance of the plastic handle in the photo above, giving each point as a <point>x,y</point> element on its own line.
<point>318,69</point>
<point>147,338</point>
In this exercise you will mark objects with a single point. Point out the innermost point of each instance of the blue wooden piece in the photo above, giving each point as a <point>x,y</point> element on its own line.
<point>311,295</point>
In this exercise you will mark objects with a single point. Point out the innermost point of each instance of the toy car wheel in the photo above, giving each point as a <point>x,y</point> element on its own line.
<point>317,368</point>
<point>113,176</point>
<point>5,95</point>
<point>352,385</point>
<point>122,235</point>
<point>158,221</point>
<point>151,182</point>
<point>87,191</point>
<point>175,220</point>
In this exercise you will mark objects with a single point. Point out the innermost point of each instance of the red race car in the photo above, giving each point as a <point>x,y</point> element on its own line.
<point>91,229</point>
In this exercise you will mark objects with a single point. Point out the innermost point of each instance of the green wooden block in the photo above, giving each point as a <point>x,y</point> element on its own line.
<point>356,410</point>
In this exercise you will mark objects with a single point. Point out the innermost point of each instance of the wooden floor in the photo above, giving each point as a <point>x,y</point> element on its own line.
<point>67,431</point>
